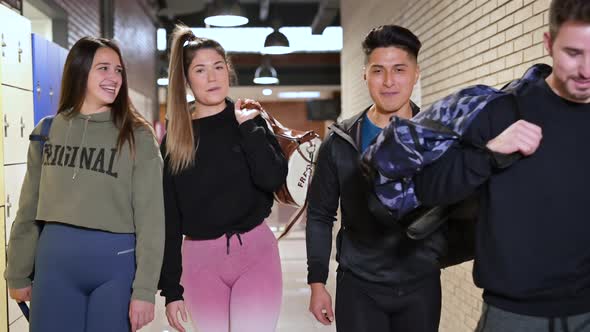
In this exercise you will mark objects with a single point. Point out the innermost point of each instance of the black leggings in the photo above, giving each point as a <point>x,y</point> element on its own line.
<point>365,307</point>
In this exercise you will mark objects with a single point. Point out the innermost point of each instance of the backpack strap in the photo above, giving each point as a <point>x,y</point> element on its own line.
<point>44,134</point>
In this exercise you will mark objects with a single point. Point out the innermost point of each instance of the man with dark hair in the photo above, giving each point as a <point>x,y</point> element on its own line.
<point>532,254</point>
<point>385,281</point>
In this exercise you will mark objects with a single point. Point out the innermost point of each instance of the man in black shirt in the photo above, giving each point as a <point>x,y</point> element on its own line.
<point>386,282</point>
<point>532,257</point>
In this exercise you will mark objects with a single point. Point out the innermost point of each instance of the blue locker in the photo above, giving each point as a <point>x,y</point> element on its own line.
<point>63,54</point>
<point>40,77</point>
<point>53,78</point>
<point>48,63</point>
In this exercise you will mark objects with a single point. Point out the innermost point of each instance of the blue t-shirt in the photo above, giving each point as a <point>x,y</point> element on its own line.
<point>368,132</point>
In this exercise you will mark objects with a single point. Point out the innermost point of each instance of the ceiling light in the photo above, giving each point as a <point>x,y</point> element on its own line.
<point>161,39</point>
<point>276,43</point>
<point>299,94</point>
<point>162,81</point>
<point>265,73</point>
<point>225,14</point>
<point>267,92</point>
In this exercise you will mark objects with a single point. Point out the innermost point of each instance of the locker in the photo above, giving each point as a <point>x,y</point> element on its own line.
<point>48,60</point>
<point>1,158</point>
<point>15,41</point>
<point>40,78</point>
<point>16,109</point>
<point>53,78</point>
<point>3,289</point>
<point>63,55</point>
<point>14,176</point>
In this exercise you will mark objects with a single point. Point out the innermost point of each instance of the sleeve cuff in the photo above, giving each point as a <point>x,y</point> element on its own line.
<point>143,295</point>
<point>170,299</point>
<point>250,126</point>
<point>313,277</point>
<point>18,283</point>
<point>481,162</point>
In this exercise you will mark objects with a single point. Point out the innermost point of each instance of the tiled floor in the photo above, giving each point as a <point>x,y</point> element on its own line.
<point>295,316</point>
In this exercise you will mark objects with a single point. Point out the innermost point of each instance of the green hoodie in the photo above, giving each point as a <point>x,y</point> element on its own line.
<point>84,182</point>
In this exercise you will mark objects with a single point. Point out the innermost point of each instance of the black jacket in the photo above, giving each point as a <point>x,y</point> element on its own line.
<point>369,249</point>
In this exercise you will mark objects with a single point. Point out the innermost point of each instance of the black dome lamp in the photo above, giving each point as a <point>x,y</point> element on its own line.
<point>265,73</point>
<point>276,42</point>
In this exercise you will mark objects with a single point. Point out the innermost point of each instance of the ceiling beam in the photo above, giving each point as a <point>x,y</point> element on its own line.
<point>264,9</point>
<point>327,12</point>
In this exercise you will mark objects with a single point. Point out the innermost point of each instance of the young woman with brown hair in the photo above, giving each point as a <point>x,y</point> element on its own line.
<point>97,190</point>
<point>221,166</point>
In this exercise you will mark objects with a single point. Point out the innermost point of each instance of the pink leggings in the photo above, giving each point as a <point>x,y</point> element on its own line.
<point>240,291</point>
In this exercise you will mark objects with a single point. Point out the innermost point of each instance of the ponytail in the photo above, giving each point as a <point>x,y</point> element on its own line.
<point>180,138</point>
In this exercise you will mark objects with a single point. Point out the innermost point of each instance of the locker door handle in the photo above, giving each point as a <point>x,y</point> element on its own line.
<point>20,52</point>
<point>6,125</point>
<point>38,89</point>
<point>22,127</point>
<point>51,97</point>
<point>8,206</point>
<point>3,46</point>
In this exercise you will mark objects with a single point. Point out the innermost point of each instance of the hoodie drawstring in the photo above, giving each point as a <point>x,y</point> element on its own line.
<point>83,145</point>
<point>228,236</point>
<point>564,324</point>
<point>68,133</point>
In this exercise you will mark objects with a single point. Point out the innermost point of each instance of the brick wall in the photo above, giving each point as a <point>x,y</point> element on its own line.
<point>464,42</point>
<point>294,115</point>
<point>135,34</point>
<point>83,18</point>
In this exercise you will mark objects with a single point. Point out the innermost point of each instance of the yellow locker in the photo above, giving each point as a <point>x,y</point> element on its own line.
<point>3,296</point>
<point>17,114</point>
<point>14,176</point>
<point>16,122</point>
<point>3,290</point>
<point>16,56</point>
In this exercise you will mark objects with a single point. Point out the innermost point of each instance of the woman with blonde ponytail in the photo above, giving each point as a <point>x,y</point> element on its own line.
<point>221,167</point>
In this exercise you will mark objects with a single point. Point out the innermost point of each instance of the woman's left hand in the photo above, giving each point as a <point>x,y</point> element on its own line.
<point>141,313</point>
<point>246,110</point>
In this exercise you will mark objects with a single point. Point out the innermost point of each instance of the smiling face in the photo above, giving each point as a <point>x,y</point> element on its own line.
<point>391,74</point>
<point>208,77</point>
<point>570,50</point>
<point>104,78</point>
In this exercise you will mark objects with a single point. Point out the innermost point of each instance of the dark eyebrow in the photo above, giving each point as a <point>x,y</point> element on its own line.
<point>571,49</point>
<point>396,65</point>
<point>202,65</point>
